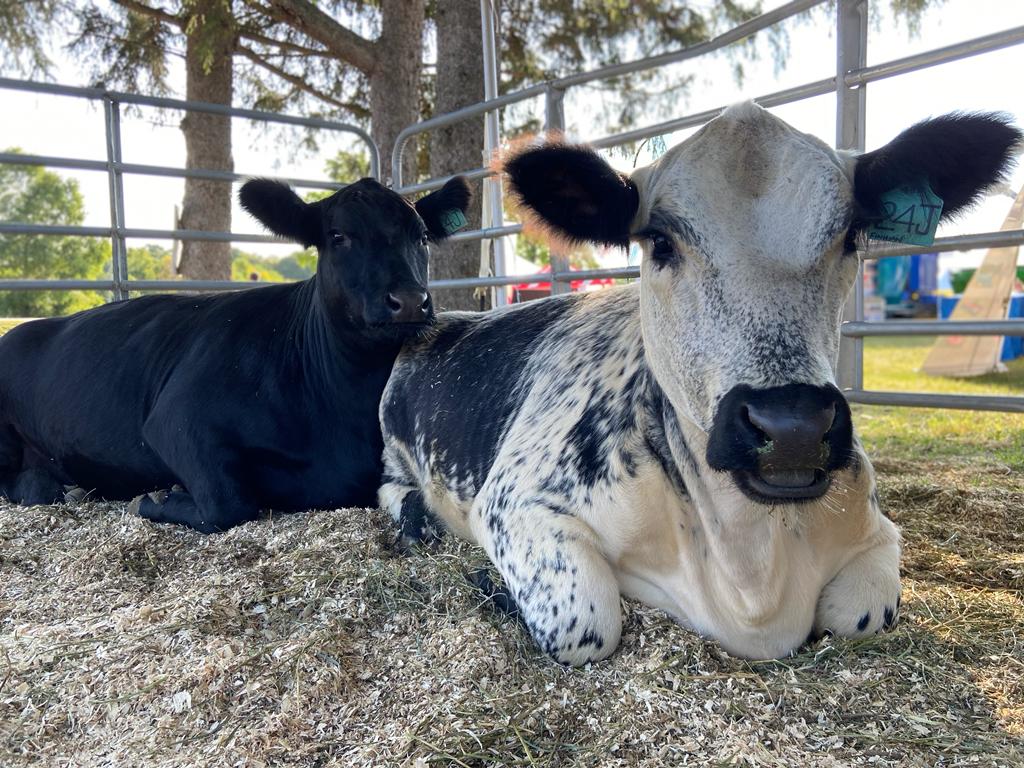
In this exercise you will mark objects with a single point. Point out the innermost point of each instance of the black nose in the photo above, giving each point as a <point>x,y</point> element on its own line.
<point>794,434</point>
<point>782,442</point>
<point>408,306</point>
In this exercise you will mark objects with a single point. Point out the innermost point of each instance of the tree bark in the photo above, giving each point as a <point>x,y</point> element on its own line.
<point>395,81</point>
<point>210,44</point>
<point>458,147</point>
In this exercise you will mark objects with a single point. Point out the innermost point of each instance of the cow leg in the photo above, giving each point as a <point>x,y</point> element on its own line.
<point>565,591</point>
<point>10,460</point>
<point>864,597</point>
<point>25,477</point>
<point>36,485</point>
<point>204,511</point>
<point>180,508</point>
<point>215,498</point>
<point>401,497</point>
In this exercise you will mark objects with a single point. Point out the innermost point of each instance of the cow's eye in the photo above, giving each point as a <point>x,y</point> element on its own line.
<point>662,248</point>
<point>424,240</point>
<point>340,240</point>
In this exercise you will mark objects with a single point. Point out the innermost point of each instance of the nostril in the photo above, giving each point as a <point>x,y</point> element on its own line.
<point>393,303</point>
<point>425,304</point>
<point>760,435</point>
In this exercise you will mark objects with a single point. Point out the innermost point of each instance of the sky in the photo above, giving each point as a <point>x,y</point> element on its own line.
<point>49,125</point>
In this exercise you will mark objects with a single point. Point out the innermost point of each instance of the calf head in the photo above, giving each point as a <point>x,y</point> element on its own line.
<point>749,231</point>
<point>372,244</point>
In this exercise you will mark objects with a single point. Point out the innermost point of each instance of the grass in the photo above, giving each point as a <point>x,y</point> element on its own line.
<point>962,437</point>
<point>307,640</point>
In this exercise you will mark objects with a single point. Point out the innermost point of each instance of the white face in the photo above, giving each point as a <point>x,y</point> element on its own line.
<point>750,285</point>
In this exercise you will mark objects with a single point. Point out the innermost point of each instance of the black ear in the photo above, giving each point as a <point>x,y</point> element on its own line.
<point>575,192</point>
<point>281,211</point>
<point>436,208</point>
<point>959,155</point>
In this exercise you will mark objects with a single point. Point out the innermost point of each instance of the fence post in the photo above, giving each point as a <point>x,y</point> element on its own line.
<point>851,103</point>
<point>115,182</point>
<point>554,121</point>
<point>492,140</point>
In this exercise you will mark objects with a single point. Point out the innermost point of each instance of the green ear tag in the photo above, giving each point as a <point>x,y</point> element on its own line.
<point>452,221</point>
<point>911,215</point>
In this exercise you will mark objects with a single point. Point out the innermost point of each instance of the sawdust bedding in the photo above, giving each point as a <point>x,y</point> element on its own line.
<point>306,640</point>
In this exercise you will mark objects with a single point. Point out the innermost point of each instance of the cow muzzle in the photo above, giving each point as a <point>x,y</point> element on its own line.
<point>782,443</point>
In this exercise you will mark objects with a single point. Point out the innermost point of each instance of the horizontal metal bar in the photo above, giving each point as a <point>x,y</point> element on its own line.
<point>999,239</point>
<point>196,285</point>
<point>778,98</point>
<point>486,233</point>
<point>17,228</point>
<point>198,235</point>
<point>198,173</point>
<point>944,55</point>
<point>923,400</point>
<point>437,183</point>
<point>15,158</point>
<point>934,328</point>
<point>121,97</point>
<point>594,274</point>
<point>56,285</point>
<point>536,277</point>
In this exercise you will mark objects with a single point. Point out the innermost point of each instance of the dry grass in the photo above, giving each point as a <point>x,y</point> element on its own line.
<point>305,640</point>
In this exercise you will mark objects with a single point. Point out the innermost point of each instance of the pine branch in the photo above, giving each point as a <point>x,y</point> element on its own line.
<point>340,41</point>
<point>301,84</point>
<point>282,44</point>
<point>146,10</point>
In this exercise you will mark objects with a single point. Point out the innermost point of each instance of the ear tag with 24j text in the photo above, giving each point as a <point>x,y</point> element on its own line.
<point>911,215</point>
<point>452,221</point>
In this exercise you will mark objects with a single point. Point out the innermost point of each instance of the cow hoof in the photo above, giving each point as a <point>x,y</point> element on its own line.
<point>864,598</point>
<point>138,505</point>
<point>75,495</point>
<point>498,598</point>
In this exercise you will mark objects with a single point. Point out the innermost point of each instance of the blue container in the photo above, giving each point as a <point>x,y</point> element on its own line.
<point>1013,346</point>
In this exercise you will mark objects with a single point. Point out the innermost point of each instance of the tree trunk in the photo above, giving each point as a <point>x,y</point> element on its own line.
<point>395,81</point>
<point>207,204</point>
<point>458,147</point>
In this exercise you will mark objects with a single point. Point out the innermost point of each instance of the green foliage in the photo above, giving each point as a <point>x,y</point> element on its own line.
<point>33,195</point>
<point>150,262</point>
<point>23,27</point>
<point>297,266</point>
<point>346,167</point>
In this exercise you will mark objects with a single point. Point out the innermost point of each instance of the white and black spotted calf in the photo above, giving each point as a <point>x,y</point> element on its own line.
<point>680,441</point>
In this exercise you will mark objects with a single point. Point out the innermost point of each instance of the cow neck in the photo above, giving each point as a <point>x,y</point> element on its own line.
<point>328,345</point>
<point>746,539</point>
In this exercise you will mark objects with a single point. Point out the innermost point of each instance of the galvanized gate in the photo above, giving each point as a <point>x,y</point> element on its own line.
<point>848,83</point>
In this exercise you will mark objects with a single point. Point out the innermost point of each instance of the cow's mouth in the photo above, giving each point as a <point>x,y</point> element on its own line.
<point>774,485</point>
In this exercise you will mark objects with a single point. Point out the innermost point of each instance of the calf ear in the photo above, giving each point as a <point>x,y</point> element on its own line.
<point>959,155</point>
<point>281,211</point>
<point>574,192</point>
<point>444,211</point>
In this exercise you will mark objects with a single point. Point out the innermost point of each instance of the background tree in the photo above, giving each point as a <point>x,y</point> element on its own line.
<point>351,59</point>
<point>36,196</point>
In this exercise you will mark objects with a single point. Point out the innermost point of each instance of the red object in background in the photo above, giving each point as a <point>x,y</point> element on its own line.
<point>537,290</point>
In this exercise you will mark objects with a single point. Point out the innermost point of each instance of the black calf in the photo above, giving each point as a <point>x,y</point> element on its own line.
<point>265,398</point>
